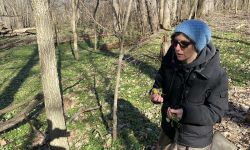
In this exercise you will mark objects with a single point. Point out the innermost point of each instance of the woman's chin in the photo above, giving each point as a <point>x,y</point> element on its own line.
<point>180,58</point>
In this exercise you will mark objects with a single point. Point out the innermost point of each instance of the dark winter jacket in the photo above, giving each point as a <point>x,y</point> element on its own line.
<point>200,88</point>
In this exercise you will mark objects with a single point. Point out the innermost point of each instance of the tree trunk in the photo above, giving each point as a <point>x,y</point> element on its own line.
<point>55,24</point>
<point>164,46</point>
<point>244,5</point>
<point>50,82</point>
<point>224,4</point>
<point>173,9</point>
<point>178,11</point>
<point>95,26</point>
<point>153,15</point>
<point>192,14</point>
<point>122,52</point>
<point>74,26</point>
<point>114,133</point>
<point>236,6</point>
<point>209,7</point>
<point>161,12</point>
<point>166,17</point>
<point>116,16</point>
<point>200,9</point>
<point>144,16</point>
<point>248,6</point>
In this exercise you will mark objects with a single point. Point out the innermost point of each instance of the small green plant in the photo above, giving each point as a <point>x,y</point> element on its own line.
<point>174,121</point>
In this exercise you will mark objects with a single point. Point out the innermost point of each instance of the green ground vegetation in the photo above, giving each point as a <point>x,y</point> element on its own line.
<point>89,82</point>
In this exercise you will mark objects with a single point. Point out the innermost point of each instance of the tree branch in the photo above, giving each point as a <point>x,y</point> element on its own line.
<point>20,117</point>
<point>12,107</point>
<point>91,16</point>
<point>2,15</point>
<point>82,110</point>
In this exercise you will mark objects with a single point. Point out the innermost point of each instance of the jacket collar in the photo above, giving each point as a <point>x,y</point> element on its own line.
<point>198,65</point>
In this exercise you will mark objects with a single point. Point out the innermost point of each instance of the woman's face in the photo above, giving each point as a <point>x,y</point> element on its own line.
<point>184,49</point>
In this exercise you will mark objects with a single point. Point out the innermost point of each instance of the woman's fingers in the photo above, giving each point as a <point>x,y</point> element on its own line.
<point>169,114</point>
<point>178,112</point>
<point>156,98</point>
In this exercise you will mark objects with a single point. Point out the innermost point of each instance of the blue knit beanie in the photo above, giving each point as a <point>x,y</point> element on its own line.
<point>196,30</point>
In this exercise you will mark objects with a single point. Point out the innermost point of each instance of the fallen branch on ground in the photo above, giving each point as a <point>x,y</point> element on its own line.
<point>20,116</point>
<point>12,107</point>
<point>82,110</point>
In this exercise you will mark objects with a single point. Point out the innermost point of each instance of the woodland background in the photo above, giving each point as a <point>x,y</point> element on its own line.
<point>75,74</point>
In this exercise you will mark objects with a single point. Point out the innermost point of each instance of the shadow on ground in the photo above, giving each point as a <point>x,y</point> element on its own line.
<point>133,124</point>
<point>134,128</point>
<point>7,96</point>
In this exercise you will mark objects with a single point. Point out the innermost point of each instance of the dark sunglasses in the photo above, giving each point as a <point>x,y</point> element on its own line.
<point>183,44</point>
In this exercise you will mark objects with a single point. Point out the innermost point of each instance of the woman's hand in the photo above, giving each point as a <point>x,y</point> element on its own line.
<point>156,98</point>
<point>177,113</point>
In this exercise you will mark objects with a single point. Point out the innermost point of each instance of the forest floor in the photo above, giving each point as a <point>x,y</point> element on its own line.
<point>234,126</point>
<point>89,82</point>
<point>230,22</point>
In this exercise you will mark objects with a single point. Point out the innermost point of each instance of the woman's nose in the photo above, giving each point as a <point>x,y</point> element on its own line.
<point>177,47</point>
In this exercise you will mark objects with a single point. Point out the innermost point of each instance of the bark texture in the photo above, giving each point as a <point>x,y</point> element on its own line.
<point>50,82</point>
<point>153,15</point>
<point>74,25</point>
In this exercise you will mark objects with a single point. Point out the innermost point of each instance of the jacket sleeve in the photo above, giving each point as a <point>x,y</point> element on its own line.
<point>158,79</point>
<point>213,109</point>
<point>166,60</point>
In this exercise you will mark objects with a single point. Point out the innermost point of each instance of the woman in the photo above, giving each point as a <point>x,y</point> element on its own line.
<point>194,89</point>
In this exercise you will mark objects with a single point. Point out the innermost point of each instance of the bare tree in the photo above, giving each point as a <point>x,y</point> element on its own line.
<point>50,82</point>
<point>244,5</point>
<point>74,26</point>
<point>209,6</point>
<point>193,10</point>
<point>164,46</point>
<point>153,15</point>
<point>123,26</point>
<point>95,26</point>
<point>236,6</point>
<point>17,13</point>
<point>161,11</point>
<point>200,8</point>
<point>178,11</point>
<point>173,9</point>
<point>166,15</point>
<point>168,12</point>
<point>143,15</point>
<point>248,6</point>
